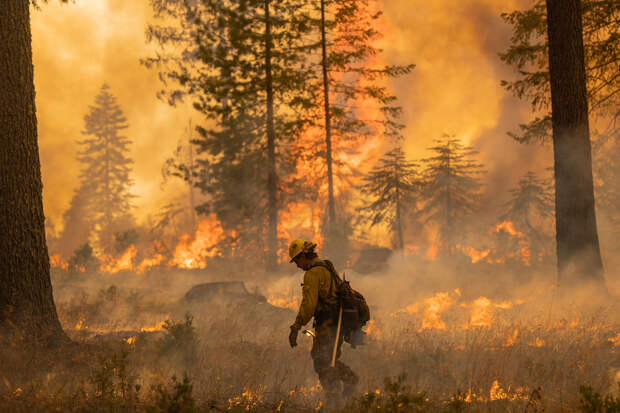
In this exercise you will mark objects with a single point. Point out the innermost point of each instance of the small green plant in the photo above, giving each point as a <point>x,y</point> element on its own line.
<point>113,381</point>
<point>180,339</point>
<point>593,402</point>
<point>176,399</point>
<point>396,397</point>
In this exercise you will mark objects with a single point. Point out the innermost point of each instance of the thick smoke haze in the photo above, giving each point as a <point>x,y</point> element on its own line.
<point>455,88</point>
<point>76,48</point>
<point>482,326</point>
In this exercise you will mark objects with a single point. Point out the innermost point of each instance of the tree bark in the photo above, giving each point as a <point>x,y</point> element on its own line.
<point>272,207</point>
<point>578,252</point>
<point>27,309</point>
<point>331,208</point>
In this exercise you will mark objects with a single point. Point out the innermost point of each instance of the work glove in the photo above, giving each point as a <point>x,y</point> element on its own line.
<point>292,337</point>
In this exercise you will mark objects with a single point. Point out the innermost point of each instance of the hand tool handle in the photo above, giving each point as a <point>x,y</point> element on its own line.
<point>337,337</point>
<point>337,333</point>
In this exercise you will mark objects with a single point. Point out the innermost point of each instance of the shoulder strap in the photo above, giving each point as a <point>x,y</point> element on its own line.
<point>330,267</point>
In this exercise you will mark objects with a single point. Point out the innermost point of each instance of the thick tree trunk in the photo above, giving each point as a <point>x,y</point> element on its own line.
<point>272,186</point>
<point>578,253</point>
<point>331,208</point>
<point>27,308</point>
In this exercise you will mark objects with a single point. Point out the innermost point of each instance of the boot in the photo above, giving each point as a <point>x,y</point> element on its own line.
<point>333,402</point>
<point>348,387</point>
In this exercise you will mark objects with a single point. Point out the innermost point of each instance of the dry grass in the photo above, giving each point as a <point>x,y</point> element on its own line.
<point>532,357</point>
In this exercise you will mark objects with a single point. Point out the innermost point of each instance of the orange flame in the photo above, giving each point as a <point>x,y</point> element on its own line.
<point>373,330</point>
<point>410,309</point>
<point>284,301</point>
<point>481,313</point>
<point>539,342</point>
<point>512,338</point>
<point>56,261</point>
<point>147,263</point>
<point>524,249</point>
<point>248,400</point>
<point>156,327</point>
<point>475,255</point>
<point>192,253</point>
<point>483,309</point>
<point>508,227</point>
<point>433,307</point>
<point>496,392</point>
<point>431,252</point>
<point>123,263</point>
<point>615,340</point>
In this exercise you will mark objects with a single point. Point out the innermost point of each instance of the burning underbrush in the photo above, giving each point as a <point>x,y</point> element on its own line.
<point>445,344</point>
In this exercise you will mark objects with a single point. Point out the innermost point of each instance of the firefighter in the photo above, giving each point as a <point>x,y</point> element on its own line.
<point>321,302</point>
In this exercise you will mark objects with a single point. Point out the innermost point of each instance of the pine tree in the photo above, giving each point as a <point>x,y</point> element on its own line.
<point>245,69</point>
<point>351,85</point>
<point>181,165</point>
<point>393,184</point>
<point>451,189</point>
<point>580,44</point>
<point>106,168</point>
<point>531,205</point>
<point>528,54</point>
<point>78,221</point>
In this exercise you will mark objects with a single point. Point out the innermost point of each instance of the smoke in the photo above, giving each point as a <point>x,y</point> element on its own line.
<point>428,319</point>
<point>76,48</point>
<point>454,88</point>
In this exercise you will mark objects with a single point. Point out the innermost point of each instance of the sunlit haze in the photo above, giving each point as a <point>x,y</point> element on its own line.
<point>455,88</point>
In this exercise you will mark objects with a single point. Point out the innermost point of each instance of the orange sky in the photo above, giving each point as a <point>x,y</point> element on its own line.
<point>454,88</point>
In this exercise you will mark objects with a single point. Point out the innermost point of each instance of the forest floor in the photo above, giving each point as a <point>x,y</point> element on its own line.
<point>149,349</point>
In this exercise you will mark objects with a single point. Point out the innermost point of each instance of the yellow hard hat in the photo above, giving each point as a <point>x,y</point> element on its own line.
<point>298,246</point>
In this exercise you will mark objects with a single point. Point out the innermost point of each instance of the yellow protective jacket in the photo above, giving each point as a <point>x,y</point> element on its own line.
<point>316,293</point>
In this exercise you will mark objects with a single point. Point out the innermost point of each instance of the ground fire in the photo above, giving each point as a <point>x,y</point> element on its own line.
<point>309,206</point>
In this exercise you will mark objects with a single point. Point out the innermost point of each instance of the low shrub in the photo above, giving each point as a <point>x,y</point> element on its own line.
<point>396,397</point>
<point>593,402</point>
<point>177,398</point>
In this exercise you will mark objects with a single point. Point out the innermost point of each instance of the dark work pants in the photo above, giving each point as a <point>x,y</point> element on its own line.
<point>322,350</point>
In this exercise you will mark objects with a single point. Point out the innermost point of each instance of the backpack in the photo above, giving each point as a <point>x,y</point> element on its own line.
<point>355,311</point>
